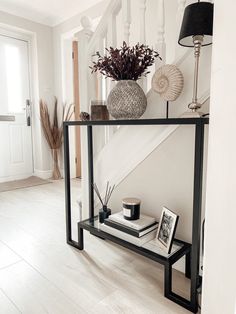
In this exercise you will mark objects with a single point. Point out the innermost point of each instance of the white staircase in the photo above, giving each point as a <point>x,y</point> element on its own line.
<point>118,151</point>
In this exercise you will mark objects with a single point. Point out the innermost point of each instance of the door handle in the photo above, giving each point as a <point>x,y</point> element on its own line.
<point>7,118</point>
<point>28,112</point>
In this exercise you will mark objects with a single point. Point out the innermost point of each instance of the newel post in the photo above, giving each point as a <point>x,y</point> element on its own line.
<point>84,60</point>
<point>84,37</point>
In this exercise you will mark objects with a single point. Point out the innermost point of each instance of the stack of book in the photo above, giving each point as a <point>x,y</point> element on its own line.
<point>137,231</point>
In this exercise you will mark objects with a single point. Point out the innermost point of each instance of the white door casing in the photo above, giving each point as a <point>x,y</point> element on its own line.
<point>16,160</point>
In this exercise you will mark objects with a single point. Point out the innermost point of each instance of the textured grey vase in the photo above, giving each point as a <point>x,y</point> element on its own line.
<point>126,100</point>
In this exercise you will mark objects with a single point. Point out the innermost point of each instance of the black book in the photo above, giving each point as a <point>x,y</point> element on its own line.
<point>131,231</point>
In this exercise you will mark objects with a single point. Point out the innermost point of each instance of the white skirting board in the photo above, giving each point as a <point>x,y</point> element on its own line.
<point>43,174</point>
<point>15,177</point>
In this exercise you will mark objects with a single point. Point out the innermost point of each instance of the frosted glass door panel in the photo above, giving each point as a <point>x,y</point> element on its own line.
<point>14,75</point>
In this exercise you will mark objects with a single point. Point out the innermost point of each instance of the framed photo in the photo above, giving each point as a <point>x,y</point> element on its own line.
<point>166,229</point>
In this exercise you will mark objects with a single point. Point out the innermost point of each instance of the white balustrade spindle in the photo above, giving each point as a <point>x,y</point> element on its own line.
<point>126,9</point>
<point>143,21</point>
<point>111,42</point>
<point>143,81</point>
<point>112,31</point>
<point>92,79</point>
<point>180,10</point>
<point>179,18</point>
<point>100,48</point>
<point>161,45</point>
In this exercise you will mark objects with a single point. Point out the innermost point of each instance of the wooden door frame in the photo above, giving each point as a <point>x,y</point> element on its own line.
<point>77,107</point>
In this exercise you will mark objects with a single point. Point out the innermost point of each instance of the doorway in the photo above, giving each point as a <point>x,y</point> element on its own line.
<point>16,154</point>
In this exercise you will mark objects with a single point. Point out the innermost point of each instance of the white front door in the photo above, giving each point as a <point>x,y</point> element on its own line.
<point>16,160</point>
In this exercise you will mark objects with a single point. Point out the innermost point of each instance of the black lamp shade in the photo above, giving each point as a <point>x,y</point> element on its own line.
<point>197,20</point>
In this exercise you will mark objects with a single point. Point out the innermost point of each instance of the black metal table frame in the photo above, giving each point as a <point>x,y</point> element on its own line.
<point>193,252</point>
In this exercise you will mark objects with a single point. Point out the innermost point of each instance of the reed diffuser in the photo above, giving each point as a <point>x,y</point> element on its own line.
<point>104,212</point>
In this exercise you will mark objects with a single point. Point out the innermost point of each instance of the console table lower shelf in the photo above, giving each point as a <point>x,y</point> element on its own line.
<point>180,249</point>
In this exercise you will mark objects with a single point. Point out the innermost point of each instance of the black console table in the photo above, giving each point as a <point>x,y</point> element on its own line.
<point>190,251</point>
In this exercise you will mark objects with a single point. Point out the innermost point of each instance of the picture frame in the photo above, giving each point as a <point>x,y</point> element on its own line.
<point>166,229</point>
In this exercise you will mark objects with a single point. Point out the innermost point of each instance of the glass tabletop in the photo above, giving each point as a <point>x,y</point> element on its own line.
<point>151,245</point>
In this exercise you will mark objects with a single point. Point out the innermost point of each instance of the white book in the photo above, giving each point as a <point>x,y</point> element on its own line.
<point>148,230</point>
<point>127,237</point>
<point>139,224</point>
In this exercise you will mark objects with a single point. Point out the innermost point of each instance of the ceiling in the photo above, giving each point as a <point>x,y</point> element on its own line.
<point>49,12</point>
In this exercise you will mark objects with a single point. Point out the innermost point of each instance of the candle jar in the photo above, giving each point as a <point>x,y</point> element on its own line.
<point>131,208</point>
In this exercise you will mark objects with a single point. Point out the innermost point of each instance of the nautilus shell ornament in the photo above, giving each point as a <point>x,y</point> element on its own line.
<point>168,81</point>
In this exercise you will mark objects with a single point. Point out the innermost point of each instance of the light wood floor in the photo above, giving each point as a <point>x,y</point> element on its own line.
<point>39,273</point>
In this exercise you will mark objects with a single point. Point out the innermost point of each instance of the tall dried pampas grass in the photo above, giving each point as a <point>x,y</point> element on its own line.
<point>53,131</point>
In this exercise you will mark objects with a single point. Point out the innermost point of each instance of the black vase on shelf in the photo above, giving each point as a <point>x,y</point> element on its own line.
<point>104,213</point>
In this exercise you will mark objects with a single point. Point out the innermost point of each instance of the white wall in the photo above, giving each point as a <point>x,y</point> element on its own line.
<point>164,178</point>
<point>43,81</point>
<point>219,285</point>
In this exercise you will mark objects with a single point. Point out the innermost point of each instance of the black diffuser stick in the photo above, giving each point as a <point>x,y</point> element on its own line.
<point>108,193</point>
<point>107,187</point>
<point>107,196</point>
<point>97,192</point>
<point>111,191</point>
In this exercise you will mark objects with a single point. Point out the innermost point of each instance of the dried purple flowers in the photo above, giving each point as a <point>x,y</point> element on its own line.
<point>126,63</point>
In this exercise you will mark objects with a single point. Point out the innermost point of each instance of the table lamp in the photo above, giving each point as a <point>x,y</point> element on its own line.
<point>196,31</point>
